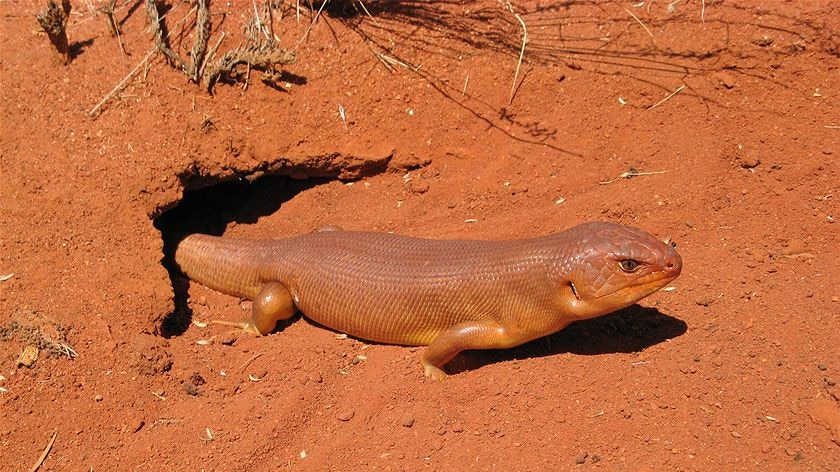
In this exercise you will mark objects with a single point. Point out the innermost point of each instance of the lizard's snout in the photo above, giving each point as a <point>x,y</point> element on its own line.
<point>672,263</point>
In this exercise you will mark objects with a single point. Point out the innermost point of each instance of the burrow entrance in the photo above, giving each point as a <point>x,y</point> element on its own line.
<point>211,210</point>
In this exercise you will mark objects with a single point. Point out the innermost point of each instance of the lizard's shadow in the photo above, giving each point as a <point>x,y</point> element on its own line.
<point>632,329</point>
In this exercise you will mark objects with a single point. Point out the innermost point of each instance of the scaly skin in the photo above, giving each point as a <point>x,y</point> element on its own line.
<point>451,295</point>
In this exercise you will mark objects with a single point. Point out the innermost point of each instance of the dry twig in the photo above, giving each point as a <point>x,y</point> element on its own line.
<point>640,22</point>
<point>251,359</point>
<point>44,454</point>
<point>660,102</point>
<point>521,55</point>
<point>630,174</point>
<point>95,110</point>
<point>108,10</point>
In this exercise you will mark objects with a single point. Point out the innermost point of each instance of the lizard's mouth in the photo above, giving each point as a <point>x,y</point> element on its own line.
<point>633,293</point>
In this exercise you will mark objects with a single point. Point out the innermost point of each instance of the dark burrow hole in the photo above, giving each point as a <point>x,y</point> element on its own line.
<point>210,210</point>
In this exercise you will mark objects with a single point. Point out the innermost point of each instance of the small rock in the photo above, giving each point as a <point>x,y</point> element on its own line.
<point>595,458</point>
<point>407,421</point>
<point>704,300</point>
<point>750,163</point>
<point>830,382</point>
<point>759,254</point>
<point>689,223</point>
<point>228,339</point>
<point>762,41</point>
<point>138,426</point>
<point>197,379</point>
<point>97,398</point>
<point>345,415</point>
<point>822,366</point>
<point>794,246</point>
<point>581,459</point>
<point>725,79</point>
<point>191,389</point>
<point>419,187</point>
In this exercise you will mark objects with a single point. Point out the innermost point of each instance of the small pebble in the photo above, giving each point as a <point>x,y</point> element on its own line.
<point>419,187</point>
<point>345,415</point>
<point>762,41</point>
<point>725,79</point>
<point>138,426</point>
<point>750,163</point>
<point>197,379</point>
<point>97,398</point>
<point>407,421</point>
<point>191,389</point>
<point>704,300</point>
<point>581,459</point>
<point>822,366</point>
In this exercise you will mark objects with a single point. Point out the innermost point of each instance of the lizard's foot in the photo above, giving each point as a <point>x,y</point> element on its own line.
<point>433,372</point>
<point>245,326</point>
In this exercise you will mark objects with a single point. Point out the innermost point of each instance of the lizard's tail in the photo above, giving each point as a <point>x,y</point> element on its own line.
<point>228,265</point>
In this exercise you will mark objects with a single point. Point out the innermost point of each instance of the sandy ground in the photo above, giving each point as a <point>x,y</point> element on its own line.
<point>402,120</point>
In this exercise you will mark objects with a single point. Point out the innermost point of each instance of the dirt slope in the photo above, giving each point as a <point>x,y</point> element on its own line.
<point>730,112</point>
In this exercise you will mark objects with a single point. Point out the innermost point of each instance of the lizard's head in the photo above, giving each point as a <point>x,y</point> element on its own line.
<point>612,266</point>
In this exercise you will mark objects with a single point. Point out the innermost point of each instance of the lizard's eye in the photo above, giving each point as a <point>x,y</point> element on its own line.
<point>629,265</point>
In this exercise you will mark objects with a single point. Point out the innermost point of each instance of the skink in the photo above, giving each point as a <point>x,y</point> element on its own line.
<point>450,295</point>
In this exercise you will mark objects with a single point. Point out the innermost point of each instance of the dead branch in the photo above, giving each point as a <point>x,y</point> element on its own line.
<point>53,21</point>
<point>202,34</point>
<point>258,56</point>
<point>162,37</point>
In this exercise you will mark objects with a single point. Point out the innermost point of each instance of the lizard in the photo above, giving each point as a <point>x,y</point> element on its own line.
<point>449,295</point>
